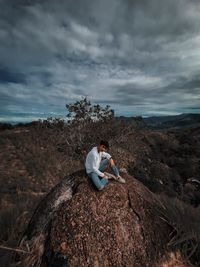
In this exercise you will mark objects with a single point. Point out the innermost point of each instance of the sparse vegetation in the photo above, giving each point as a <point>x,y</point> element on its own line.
<point>36,156</point>
<point>84,111</point>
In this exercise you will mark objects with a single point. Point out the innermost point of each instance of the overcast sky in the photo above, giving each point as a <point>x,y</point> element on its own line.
<point>140,57</point>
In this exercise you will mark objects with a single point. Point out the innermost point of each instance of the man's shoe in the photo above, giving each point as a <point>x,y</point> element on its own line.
<point>120,179</point>
<point>114,177</point>
<point>109,176</point>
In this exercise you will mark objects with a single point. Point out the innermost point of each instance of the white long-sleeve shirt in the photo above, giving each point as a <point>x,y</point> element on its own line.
<point>93,160</point>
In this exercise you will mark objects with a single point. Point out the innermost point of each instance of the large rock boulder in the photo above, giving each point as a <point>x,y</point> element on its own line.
<point>114,227</point>
<point>76,225</point>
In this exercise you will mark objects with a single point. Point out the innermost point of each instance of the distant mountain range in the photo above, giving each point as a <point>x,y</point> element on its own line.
<point>181,120</point>
<point>173,121</point>
<point>157,122</point>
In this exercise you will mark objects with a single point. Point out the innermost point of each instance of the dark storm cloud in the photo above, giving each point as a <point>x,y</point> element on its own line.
<point>186,91</point>
<point>9,77</point>
<point>122,52</point>
<point>128,30</point>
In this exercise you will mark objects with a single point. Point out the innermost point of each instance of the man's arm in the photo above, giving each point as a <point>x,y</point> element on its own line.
<point>95,168</point>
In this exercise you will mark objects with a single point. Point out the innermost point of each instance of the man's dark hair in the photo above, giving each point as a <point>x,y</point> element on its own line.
<point>104,143</point>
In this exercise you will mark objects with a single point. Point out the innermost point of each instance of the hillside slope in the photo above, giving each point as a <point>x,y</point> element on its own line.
<point>35,157</point>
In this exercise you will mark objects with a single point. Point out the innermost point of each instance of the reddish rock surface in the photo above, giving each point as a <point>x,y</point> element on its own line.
<point>118,226</point>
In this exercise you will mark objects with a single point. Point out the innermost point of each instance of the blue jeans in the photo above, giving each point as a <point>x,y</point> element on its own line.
<point>101,182</point>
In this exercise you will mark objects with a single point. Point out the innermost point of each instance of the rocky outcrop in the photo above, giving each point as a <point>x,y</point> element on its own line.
<point>75,225</point>
<point>109,228</point>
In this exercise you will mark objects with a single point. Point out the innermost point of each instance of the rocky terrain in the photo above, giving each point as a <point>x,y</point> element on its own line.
<point>162,164</point>
<point>115,227</point>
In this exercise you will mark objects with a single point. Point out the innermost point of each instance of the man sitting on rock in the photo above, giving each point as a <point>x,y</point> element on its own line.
<point>97,161</point>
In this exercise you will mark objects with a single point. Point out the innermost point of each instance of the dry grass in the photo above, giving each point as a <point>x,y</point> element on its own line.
<point>35,158</point>
<point>185,222</point>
